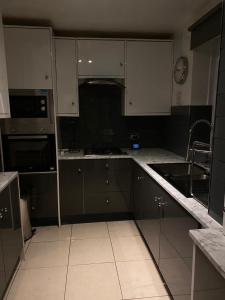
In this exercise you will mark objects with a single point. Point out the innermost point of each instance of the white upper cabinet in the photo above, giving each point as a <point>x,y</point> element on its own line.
<point>4,95</point>
<point>66,77</point>
<point>148,78</point>
<point>29,57</point>
<point>101,58</point>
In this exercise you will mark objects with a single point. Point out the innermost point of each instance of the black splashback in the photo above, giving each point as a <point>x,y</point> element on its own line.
<point>177,129</point>
<point>101,123</point>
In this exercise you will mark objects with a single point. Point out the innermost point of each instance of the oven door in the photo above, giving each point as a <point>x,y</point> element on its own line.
<point>29,153</point>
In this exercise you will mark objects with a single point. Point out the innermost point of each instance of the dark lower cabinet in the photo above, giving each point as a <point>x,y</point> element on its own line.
<point>176,247</point>
<point>71,189</point>
<point>165,227</point>
<point>11,242</point>
<point>107,186</point>
<point>40,190</point>
<point>91,187</point>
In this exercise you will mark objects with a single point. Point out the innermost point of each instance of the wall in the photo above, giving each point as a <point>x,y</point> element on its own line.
<point>101,123</point>
<point>189,100</point>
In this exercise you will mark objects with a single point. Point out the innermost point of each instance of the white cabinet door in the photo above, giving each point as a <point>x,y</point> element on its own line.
<point>4,95</point>
<point>29,57</point>
<point>148,78</point>
<point>98,58</point>
<point>66,77</point>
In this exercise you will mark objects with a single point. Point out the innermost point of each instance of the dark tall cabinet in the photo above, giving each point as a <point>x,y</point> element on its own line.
<point>165,227</point>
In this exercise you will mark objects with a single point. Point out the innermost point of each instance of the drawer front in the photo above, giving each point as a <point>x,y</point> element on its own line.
<point>106,203</point>
<point>106,165</point>
<point>106,182</point>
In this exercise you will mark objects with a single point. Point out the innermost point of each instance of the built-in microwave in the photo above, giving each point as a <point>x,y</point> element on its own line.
<point>29,153</point>
<point>32,112</point>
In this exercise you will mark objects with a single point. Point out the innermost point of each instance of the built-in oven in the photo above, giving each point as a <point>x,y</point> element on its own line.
<point>32,112</point>
<point>29,153</point>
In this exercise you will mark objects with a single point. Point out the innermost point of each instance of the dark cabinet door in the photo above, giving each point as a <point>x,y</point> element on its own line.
<point>11,234</point>
<point>152,216</point>
<point>176,246</point>
<point>13,242</point>
<point>2,270</point>
<point>40,190</point>
<point>138,198</point>
<point>71,188</point>
<point>146,209</point>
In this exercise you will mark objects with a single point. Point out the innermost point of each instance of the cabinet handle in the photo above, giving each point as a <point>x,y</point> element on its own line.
<point>139,178</point>
<point>157,199</point>
<point>107,201</point>
<point>107,165</point>
<point>107,181</point>
<point>79,170</point>
<point>46,77</point>
<point>130,102</point>
<point>121,64</point>
<point>1,216</point>
<point>73,103</point>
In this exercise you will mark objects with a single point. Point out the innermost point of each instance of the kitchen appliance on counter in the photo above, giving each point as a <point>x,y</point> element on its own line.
<point>32,112</point>
<point>104,151</point>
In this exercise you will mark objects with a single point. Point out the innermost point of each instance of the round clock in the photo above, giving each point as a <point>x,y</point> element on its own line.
<point>181,70</point>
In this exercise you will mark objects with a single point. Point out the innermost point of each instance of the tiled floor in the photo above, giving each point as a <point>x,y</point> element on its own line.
<point>98,261</point>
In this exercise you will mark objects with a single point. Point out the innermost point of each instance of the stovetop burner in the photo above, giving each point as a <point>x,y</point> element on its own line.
<point>103,151</point>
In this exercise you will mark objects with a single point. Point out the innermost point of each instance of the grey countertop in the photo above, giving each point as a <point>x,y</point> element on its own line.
<point>212,243</point>
<point>6,178</point>
<point>210,240</point>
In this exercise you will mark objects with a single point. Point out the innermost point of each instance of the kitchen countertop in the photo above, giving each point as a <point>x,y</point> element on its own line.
<point>212,243</point>
<point>210,240</point>
<point>6,178</point>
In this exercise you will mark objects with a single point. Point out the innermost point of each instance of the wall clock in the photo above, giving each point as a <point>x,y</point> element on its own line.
<point>181,70</point>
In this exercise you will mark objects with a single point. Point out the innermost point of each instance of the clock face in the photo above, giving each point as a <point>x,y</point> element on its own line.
<point>181,70</point>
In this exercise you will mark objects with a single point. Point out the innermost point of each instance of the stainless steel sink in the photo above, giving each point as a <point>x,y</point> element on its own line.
<point>179,175</point>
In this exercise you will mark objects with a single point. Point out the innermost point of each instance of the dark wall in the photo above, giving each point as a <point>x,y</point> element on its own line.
<point>177,129</point>
<point>101,123</point>
<point>218,164</point>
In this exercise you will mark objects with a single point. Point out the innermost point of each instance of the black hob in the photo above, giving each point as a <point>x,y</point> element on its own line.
<point>103,151</point>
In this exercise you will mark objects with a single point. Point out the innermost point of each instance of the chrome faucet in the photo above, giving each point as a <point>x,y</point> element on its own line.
<point>200,121</point>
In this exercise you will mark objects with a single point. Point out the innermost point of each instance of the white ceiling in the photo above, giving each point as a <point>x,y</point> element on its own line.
<point>139,16</point>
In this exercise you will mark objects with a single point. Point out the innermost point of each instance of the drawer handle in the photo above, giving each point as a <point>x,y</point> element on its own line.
<point>79,170</point>
<point>139,178</point>
<point>107,201</point>
<point>107,165</point>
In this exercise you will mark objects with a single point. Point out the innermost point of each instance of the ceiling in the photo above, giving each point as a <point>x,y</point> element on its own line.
<point>134,16</point>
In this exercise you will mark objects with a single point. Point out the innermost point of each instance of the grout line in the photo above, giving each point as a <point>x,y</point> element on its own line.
<point>68,262</point>
<point>115,261</point>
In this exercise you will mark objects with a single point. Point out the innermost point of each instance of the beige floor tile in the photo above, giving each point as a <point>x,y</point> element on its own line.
<point>46,254</point>
<point>140,279</point>
<point>90,251</point>
<point>154,298</point>
<point>52,233</point>
<point>123,229</point>
<point>129,248</point>
<point>97,282</point>
<point>90,230</point>
<point>39,284</point>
